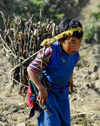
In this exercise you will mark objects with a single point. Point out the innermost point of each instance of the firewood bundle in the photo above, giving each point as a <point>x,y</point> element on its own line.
<point>21,40</point>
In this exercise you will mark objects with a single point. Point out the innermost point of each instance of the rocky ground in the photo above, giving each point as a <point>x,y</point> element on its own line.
<point>13,108</point>
<point>84,101</point>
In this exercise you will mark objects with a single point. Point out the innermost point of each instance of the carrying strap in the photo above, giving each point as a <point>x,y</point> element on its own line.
<point>42,57</point>
<point>41,73</point>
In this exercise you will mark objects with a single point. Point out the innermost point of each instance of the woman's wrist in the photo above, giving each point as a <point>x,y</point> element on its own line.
<point>40,88</point>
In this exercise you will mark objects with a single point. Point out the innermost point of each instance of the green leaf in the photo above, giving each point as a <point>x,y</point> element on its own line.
<point>60,15</point>
<point>38,2</point>
<point>51,9</point>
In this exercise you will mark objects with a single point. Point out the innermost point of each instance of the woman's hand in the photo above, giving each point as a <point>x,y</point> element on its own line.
<point>42,96</point>
<point>70,83</point>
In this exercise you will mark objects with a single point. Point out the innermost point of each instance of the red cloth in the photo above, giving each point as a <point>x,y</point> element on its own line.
<point>30,92</point>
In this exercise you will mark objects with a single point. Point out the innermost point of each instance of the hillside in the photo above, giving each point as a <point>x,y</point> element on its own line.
<point>84,101</point>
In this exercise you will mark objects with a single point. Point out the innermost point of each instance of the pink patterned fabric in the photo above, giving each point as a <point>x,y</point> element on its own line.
<point>35,65</point>
<point>29,102</point>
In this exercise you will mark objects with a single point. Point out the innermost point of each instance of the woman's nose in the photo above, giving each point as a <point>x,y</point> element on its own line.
<point>75,47</point>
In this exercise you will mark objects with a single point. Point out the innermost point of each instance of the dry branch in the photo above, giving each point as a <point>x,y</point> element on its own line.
<point>22,38</point>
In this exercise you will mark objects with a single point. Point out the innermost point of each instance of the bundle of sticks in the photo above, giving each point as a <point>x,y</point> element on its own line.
<point>21,40</point>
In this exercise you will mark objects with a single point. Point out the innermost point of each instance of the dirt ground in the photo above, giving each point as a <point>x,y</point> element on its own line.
<point>13,110</point>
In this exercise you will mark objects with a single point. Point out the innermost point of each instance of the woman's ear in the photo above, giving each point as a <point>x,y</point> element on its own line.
<point>60,40</point>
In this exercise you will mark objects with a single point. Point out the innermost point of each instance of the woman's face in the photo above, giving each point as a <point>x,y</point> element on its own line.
<point>71,45</point>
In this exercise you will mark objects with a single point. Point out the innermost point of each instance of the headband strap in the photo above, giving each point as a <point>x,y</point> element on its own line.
<point>69,32</point>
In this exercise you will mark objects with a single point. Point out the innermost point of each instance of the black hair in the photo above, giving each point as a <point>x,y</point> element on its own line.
<point>67,24</point>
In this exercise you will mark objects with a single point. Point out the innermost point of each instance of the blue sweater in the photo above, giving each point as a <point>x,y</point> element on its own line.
<point>57,72</point>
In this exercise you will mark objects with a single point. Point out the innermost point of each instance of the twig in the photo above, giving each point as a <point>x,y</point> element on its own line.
<point>20,64</point>
<point>28,14</point>
<point>7,46</point>
<point>9,50</point>
<point>18,82</point>
<point>4,19</point>
<point>40,17</point>
<point>13,79</point>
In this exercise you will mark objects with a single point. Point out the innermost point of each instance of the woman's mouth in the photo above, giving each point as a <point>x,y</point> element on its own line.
<point>73,52</point>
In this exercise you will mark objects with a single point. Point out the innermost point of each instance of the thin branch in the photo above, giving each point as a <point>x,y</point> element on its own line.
<point>20,64</point>
<point>18,82</point>
<point>4,19</point>
<point>9,50</point>
<point>13,78</point>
